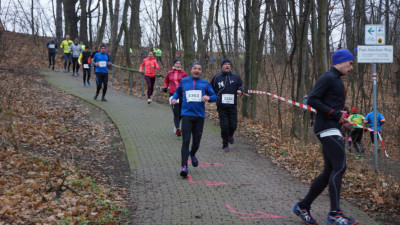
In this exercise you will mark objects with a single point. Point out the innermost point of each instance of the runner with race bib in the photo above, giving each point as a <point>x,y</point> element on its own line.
<point>227,86</point>
<point>101,61</point>
<point>84,60</point>
<point>194,92</point>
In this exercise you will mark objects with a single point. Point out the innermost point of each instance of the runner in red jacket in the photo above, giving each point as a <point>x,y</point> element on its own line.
<point>173,79</point>
<point>150,64</point>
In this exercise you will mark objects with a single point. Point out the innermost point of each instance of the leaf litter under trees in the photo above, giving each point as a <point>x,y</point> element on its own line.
<point>379,196</point>
<point>61,161</point>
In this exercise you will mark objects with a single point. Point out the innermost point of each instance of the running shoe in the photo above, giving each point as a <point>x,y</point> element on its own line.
<point>304,214</point>
<point>88,83</point>
<point>149,101</point>
<point>95,97</point>
<point>337,218</point>
<point>195,162</point>
<point>226,149</point>
<point>83,85</point>
<point>178,132</point>
<point>231,140</point>
<point>103,99</point>
<point>184,172</point>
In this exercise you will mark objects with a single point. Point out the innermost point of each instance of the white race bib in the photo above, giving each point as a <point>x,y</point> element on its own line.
<point>102,64</point>
<point>193,96</point>
<point>86,66</point>
<point>228,99</point>
<point>52,45</point>
<point>75,54</point>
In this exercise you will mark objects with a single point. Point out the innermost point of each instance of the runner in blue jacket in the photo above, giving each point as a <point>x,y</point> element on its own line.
<point>195,92</point>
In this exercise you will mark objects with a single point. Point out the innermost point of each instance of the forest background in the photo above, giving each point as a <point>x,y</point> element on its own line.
<point>279,46</point>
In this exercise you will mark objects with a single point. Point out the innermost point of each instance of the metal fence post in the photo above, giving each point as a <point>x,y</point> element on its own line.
<point>120,77</point>
<point>142,85</point>
<point>157,88</point>
<point>112,75</point>
<point>130,81</point>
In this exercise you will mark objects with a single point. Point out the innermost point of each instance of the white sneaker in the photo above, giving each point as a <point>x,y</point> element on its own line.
<point>149,101</point>
<point>174,130</point>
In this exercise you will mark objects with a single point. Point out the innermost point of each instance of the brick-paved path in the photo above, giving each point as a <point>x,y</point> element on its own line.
<point>254,188</point>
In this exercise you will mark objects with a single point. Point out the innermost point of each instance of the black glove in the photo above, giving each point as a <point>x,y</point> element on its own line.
<point>165,90</point>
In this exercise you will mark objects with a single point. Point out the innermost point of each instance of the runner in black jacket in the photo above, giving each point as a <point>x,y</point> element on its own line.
<point>227,86</point>
<point>328,97</point>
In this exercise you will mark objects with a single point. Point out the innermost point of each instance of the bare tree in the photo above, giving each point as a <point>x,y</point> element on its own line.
<point>186,26</point>
<point>254,45</point>
<point>59,32</point>
<point>100,34</point>
<point>83,23</point>
<point>71,18</point>
<point>134,27</point>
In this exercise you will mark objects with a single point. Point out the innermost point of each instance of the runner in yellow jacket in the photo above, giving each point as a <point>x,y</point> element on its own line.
<point>67,54</point>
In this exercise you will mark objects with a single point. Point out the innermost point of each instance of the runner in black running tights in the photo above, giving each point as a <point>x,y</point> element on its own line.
<point>328,97</point>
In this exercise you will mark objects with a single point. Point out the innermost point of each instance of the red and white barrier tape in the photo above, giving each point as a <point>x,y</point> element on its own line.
<point>309,108</point>
<point>283,99</point>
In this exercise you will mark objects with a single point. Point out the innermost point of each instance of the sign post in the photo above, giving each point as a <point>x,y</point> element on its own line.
<point>375,51</point>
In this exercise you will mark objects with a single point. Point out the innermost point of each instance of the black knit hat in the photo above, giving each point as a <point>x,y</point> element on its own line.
<point>226,60</point>
<point>177,60</point>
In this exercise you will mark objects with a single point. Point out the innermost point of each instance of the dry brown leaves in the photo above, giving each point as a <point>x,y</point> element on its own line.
<point>55,160</point>
<point>377,195</point>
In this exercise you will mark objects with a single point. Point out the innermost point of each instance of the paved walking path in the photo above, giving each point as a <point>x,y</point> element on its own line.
<point>239,187</point>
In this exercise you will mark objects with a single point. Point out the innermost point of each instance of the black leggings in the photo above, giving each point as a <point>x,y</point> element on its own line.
<point>75,65</point>
<point>86,71</point>
<point>52,58</point>
<point>334,168</point>
<point>227,122</point>
<point>176,109</point>
<point>101,79</point>
<point>356,137</point>
<point>191,125</point>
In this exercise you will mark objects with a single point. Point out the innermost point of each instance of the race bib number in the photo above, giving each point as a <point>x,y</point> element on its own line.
<point>52,45</point>
<point>193,96</point>
<point>228,99</point>
<point>102,64</point>
<point>86,66</point>
<point>75,54</point>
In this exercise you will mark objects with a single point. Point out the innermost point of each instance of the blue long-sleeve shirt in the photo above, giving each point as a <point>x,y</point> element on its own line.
<point>103,60</point>
<point>193,108</point>
<point>369,119</point>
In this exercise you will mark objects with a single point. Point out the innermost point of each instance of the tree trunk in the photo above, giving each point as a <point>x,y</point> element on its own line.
<point>100,34</point>
<point>301,68</point>
<point>59,21</point>
<point>114,16</point>
<point>254,42</point>
<point>165,26</point>
<point>221,41</point>
<point>279,28</point>
<point>203,43</point>
<point>134,28</point>
<point>83,25</point>
<point>236,27</point>
<point>322,36</point>
<point>71,19</point>
<point>123,27</point>
<point>186,26</point>
<point>32,19</point>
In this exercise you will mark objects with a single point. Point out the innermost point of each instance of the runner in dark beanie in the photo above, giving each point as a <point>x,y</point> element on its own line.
<point>328,97</point>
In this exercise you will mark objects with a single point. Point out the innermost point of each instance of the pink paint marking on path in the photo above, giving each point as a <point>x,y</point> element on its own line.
<point>206,164</point>
<point>206,182</point>
<point>258,215</point>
